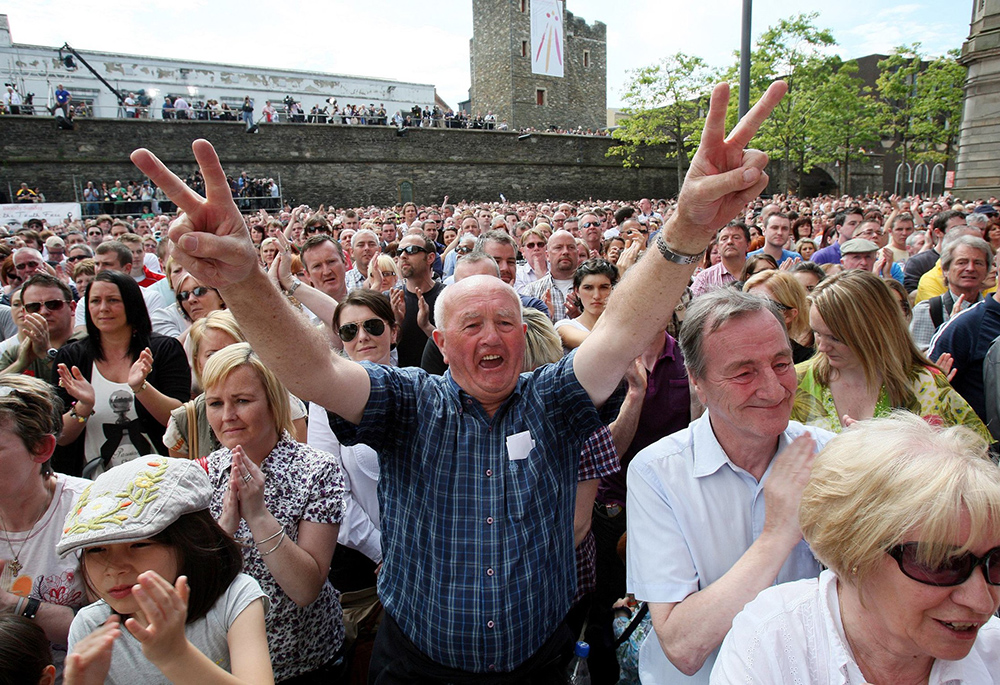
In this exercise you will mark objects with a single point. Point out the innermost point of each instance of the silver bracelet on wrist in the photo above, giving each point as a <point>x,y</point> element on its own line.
<point>270,537</point>
<point>676,257</point>
<point>277,544</point>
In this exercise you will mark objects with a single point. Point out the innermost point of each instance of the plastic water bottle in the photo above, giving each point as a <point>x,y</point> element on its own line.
<point>577,673</point>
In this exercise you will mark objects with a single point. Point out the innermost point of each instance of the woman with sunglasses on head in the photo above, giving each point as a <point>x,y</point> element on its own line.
<point>906,518</point>
<point>788,295</point>
<point>208,335</point>
<point>866,364</point>
<point>120,383</point>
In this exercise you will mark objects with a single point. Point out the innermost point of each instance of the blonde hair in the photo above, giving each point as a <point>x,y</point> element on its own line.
<point>219,320</point>
<point>382,262</point>
<point>848,303</point>
<point>886,481</point>
<point>543,344</point>
<point>223,363</point>
<point>786,290</point>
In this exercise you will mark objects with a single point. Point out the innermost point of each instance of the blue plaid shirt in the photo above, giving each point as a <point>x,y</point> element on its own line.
<point>478,548</point>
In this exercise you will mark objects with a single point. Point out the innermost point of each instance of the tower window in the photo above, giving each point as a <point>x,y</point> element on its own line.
<point>524,5</point>
<point>524,48</point>
<point>586,59</point>
<point>540,97</point>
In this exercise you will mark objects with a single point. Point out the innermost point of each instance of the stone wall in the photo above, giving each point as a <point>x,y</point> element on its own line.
<point>334,165</point>
<point>502,81</point>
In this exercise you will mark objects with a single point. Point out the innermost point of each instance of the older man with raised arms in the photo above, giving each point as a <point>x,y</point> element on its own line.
<point>478,465</point>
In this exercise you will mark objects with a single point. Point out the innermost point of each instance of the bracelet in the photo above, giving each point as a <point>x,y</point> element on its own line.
<point>295,286</point>
<point>75,415</point>
<point>270,537</point>
<point>280,540</point>
<point>676,257</point>
<point>31,608</point>
<point>145,384</point>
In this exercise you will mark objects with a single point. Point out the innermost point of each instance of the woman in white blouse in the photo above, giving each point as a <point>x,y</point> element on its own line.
<point>907,519</point>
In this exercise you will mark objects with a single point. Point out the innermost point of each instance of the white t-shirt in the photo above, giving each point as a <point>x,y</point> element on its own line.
<point>209,634</point>
<point>796,628</point>
<point>45,575</point>
<point>114,408</point>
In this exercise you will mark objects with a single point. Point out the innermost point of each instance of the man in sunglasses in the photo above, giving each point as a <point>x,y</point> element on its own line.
<point>48,325</point>
<point>416,259</point>
<point>479,467</point>
<point>592,232</point>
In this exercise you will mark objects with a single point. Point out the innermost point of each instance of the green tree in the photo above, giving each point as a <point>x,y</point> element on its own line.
<point>937,110</point>
<point>897,91</point>
<point>792,50</point>
<point>666,105</point>
<point>847,120</point>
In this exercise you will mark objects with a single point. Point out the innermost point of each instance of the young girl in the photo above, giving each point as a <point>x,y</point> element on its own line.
<point>165,570</point>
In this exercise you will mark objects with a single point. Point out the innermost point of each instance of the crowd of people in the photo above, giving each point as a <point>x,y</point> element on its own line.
<point>443,443</point>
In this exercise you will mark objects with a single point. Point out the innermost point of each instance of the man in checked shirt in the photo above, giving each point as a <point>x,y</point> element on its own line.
<point>479,466</point>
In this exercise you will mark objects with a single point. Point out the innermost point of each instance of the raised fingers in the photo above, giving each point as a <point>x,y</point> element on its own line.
<point>715,122</point>
<point>216,187</point>
<point>166,180</point>
<point>750,123</point>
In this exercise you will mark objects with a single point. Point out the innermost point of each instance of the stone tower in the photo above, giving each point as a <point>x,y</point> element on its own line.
<point>502,78</point>
<point>977,170</point>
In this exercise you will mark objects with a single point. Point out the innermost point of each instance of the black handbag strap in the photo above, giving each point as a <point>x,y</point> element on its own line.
<point>633,624</point>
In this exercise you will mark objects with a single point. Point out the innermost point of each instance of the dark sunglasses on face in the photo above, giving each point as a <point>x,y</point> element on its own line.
<point>349,331</point>
<point>51,305</point>
<point>591,224</point>
<point>77,258</point>
<point>200,291</point>
<point>27,265</point>
<point>315,229</point>
<point>532,246</point>
<point>951,572</point>
<point>412,249</point>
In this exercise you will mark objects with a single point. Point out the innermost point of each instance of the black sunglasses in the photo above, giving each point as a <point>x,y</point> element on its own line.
<point>315,229</point>
<point>51,305</point>
<point>349,331</point>
<point>78,258</point>
<point>413,249</point>
<point>951,572</point>
<point>200,291</point>
<point>591,224</point>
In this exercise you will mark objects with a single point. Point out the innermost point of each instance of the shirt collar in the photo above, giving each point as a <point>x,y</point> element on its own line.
<point>709,456</point>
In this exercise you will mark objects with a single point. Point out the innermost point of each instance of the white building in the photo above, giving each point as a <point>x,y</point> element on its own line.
<point>38,69</point>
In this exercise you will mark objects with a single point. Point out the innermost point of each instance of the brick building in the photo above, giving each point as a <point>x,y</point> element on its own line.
<point>502,78</point>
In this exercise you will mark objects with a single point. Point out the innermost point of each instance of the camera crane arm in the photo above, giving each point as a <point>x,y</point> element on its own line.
<point>117,93</point>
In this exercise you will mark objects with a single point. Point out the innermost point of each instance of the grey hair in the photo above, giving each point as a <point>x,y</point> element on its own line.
<point>912,239</point>
<point>951,243</point>
<point>475,257</point>
<point>980,221</point>
<point>708,312</point>
<point>494,237</point>
<point>360,234</point>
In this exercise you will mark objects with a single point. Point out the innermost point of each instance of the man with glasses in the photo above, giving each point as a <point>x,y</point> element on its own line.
<point>48,325</point>
<point>555,287</point>
<point>416,257</point>
<point>77,253</point>
<point>592,232</point>
<point>28,261</point>
<point>921,263</point>
<point>55,249</point>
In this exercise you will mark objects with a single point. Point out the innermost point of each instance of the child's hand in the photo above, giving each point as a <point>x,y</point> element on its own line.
<point>164,607</point>
<point>91,657</point>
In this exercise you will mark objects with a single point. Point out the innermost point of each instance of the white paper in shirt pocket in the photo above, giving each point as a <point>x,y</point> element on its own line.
<point>518,446</point>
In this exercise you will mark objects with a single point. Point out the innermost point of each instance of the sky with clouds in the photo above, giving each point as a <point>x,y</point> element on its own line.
<point>428,42</point>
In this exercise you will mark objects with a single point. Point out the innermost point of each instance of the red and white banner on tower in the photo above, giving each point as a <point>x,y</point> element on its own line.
<point>547,46</point>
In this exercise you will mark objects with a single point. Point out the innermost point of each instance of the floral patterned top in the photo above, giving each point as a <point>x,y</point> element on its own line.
<point>300,483</point>
<point>936,402</point>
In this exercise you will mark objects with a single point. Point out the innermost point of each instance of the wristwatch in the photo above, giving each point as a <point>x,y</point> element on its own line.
<point>51,353</point>
<point>295,286</point>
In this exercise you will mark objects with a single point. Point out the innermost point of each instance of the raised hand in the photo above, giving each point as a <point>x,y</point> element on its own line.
<point>229,520</point>
<point>76,385</point>
<point>140,369</point>
<point>164,607</point>
<point>91,657</point>
<point>398,304</point>
<point>783,488</point>
<point>723,176</point>
<point>210,237</point>
<point>249,485</point>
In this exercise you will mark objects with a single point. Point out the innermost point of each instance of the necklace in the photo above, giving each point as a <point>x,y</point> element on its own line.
<point>14,564</point>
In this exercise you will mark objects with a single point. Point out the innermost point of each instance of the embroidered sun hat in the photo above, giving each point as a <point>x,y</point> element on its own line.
<point>135,501</point>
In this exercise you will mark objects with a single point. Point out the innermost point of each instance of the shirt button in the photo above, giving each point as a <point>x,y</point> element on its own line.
<point>489,520</point>
<point>489,572</point>
<point>489,472</point>
<point>489,624</point>
<point>492,667</point>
